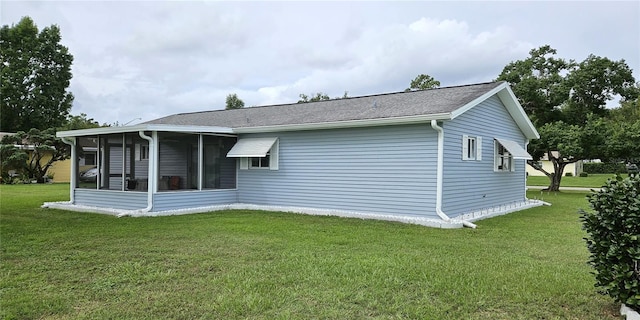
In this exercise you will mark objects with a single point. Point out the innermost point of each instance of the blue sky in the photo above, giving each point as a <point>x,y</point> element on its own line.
<point>147,59</point>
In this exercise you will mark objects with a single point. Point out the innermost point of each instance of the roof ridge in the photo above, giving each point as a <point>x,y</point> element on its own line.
<point>330,100</point>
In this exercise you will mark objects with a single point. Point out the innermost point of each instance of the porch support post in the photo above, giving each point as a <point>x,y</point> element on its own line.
<point>71,141</point>
<point>124,162</point>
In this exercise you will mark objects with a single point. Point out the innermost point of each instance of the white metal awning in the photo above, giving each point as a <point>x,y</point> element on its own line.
<point>252,147</point>
<point>515,149</point>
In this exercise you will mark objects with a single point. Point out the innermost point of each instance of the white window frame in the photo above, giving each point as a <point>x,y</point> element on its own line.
<point>142,152</point>
<point>471,148</point>
<point>263,162</point>
<point>503,159</point>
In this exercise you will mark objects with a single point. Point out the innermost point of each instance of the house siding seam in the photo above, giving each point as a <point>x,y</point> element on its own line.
<point>473,185</point>
<point>385,170</point>
<point>127,200</point>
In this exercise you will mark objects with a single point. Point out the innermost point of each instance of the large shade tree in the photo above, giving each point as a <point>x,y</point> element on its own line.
<point>566,101</point>
<point>35,71</point>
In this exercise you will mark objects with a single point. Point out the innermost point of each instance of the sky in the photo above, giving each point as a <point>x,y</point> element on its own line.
<point>136,61</point>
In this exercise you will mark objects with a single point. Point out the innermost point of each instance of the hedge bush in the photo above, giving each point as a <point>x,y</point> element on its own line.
<point>604,167</point>
<point>613,239</point>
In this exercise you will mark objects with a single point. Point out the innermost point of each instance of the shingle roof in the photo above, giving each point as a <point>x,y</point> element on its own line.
<point>391,105</point>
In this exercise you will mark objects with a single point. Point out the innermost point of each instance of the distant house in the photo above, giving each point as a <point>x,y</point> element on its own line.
<point>443,157</point>
<point>574,168</point>
<point>59,170</point>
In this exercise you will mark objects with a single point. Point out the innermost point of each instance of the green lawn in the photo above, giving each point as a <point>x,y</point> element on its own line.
<point>269,265</point>
<point>592,181</point>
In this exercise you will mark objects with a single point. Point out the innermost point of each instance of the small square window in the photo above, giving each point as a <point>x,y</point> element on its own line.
<point>260,162</point>
<point>471,148</point>
<point>144,152</point>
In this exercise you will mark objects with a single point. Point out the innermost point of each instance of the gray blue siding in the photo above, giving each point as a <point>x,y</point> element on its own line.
<point>473,185</point>
<point>127,200</point>
<point>386,170</point>
<point>192,199</point>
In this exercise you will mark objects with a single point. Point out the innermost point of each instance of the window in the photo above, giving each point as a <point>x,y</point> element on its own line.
<point>89,159</point>
<point>256,153</point>
<point>503,158</point>
<point>471,148</point>
<point>260,162</point>
<point>142,152</point>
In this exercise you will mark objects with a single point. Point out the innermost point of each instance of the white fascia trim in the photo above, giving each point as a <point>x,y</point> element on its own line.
<point>510,101</point>
<point>508,98</point>
<point>346,124</point>
<point>477,101</point>
<point>145,127</point>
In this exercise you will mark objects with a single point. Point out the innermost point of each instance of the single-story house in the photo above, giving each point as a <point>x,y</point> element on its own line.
<point>575,168</point>
<point>442,157</point>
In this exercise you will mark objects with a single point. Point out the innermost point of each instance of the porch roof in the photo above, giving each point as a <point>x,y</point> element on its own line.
<point>146,127</point>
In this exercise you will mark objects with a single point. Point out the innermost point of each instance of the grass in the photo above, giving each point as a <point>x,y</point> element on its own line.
<point>269,265</point>
<point>591,181</point>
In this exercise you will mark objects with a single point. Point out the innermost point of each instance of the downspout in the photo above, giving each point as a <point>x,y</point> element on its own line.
<point>151,175</point>
<point>439,176</point>
<point>74,168</point>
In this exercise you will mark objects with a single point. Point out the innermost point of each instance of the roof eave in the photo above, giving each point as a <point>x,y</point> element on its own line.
<point>346,124</point>
<point>144,127</point>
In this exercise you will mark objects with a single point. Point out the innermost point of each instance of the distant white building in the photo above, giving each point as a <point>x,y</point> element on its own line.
<point>574,168</point>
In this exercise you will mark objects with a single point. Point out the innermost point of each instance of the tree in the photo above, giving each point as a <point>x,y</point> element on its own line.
<point>566,102</point>
<point>11,159</point>
<point>539,84</point>
<point>320,96</point>
<point>39,149</point>
<point>563,143</point>
<point>80,122</point>
<point>627,111</point>
<point>593,82</point>
<point>623,143</point>
<point>423,82</point>
<point>233,102</point>
<point>36,71</point>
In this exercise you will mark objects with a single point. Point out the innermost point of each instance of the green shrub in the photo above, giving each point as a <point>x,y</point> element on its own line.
<point>604,167</point>
<point>584,174</point>
<point>568,174</point>
<point>613,239</point>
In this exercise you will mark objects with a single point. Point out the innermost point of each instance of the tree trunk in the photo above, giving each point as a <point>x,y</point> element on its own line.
<point>556,177</point>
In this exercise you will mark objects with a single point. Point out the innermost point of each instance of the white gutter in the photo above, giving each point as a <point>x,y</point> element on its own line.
<point>439,175</point>
<point>144,127</point>
<point>419,119</point>
<point>151,181</point>
<point>74,168</point>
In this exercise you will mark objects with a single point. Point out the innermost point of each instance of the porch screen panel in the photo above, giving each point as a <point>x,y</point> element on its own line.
<point>86,150</point>
<point>219,172</point>
<point>177,162</point>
